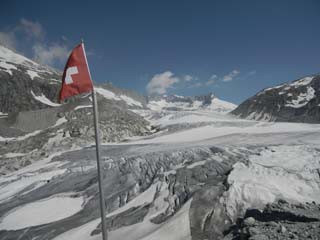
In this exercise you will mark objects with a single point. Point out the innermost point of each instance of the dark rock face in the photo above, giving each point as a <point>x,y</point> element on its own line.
<point>15,90</point>
<point>281,220</point>
<point>22,80</point>
<point>296,101</point>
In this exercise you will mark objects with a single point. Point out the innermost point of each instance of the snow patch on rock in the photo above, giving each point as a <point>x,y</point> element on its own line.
<point>112,96</point>
<point>302,99</point>
<point>32,74</point>
<point>43,99</point>
<point>7,67</point>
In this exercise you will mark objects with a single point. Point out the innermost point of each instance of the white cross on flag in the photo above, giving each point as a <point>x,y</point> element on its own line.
<point>76,77</point>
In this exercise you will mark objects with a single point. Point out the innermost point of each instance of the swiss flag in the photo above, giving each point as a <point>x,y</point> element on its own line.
<point>76,77</point>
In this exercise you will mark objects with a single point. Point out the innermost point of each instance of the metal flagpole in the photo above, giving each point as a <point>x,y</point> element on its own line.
<point>100,176</point>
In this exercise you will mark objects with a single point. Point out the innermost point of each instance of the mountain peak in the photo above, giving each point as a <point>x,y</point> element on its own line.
<point>176,102</point>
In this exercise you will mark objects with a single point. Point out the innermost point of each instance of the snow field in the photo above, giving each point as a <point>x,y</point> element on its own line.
<point>212,131</point>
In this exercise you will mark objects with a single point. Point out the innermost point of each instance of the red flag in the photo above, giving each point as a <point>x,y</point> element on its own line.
<point>76,77</point>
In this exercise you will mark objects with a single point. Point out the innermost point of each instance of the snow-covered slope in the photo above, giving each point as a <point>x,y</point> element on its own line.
<point>218,105</point>
<point>27,85</point>
<point>108,94</point>
<point>297,101</point>
<point>10,60</point>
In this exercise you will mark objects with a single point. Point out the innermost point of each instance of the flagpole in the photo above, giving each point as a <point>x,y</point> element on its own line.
<point>100,176</point>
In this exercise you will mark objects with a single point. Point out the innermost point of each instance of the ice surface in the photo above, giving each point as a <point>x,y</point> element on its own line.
<point>217,105</point>
<point>287,172</point>
<point>9,189</point>
<point>176,228</point>
<point>181,117</point>
<point>41,212</point>
<point>213,131</point>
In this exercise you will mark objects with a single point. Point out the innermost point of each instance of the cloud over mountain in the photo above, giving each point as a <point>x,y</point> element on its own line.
<point>44,52</point>
<point>161,82</point>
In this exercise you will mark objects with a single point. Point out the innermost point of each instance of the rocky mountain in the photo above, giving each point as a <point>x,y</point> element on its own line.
<point>25,84</point>
<point>32,120</point>
<point>296,101</point>
<point>176,102</point>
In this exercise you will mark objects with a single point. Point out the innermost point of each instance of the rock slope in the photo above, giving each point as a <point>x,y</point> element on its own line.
<point>25,84</point>
<point>280,220</point>
<point>296,101</point>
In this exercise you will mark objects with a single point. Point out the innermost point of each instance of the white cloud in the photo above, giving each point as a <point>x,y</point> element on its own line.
<point>212,80</point>
<point>252,73</point>
<point>230,76</point>
<point>196,85</point>
<point>213,77</point>
<point>34,33</point>
<point>188,78</point>
<point>8,40</point>
<point>161,82</point>
<point>32,29</point>
<point>50,54</point>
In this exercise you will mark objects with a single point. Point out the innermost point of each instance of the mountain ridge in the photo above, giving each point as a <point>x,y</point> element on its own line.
<point>294,101</point>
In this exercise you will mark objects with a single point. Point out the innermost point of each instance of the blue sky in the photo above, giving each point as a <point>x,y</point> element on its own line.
<point>231,48</point>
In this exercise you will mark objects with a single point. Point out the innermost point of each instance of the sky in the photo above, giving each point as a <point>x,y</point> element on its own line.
<point>231,48</point>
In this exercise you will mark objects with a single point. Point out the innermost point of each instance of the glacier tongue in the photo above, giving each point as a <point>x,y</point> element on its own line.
<point>192,178</point>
